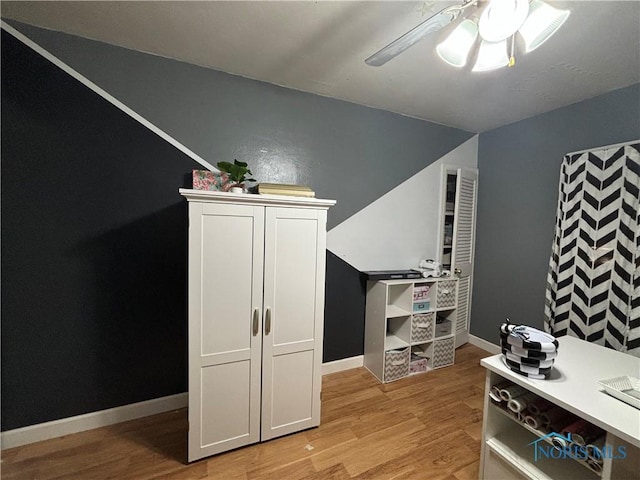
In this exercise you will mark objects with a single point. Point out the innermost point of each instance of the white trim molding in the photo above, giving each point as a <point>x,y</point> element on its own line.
<point>343,364</point>
<point>110,98</point>
<point>262,200</point>
<point>483,344</point>
<point>103,418</point>
<point>89,421</point>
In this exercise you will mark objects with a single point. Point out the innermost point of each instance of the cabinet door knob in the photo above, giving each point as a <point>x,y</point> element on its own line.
<point>457,271</point>
<point>256,320</point>
<point>267,322</point>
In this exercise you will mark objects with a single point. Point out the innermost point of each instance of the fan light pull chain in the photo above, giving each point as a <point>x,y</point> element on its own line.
<point>512,57</point>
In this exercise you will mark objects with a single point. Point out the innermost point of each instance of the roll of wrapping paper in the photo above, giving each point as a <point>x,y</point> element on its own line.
<point>553,415</point>
<point>590,434</point>
<point>494,393</point>
<point>511,391</point>
<point>582,432</point>
<point>538,406</point>
<point>572,430</point>
<point>517,415</point>
<point>560,443</point>
<point>533,421</point>
<point>519,403</point>
<point>555,419</point>
<point>595,466</point>
<point>595,449</point>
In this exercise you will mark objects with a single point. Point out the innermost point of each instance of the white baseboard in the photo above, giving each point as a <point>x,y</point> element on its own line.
<point>88,421</point>
<point>343,364</point>
<point>483,344</point>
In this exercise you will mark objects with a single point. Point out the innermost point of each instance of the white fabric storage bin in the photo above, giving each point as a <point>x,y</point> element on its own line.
<point>446,294</point>
<point>443,352</point>
<point>422,327</point>
<point>396,364</point>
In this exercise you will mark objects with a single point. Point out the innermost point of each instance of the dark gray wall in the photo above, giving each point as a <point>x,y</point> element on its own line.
<point>517,199</point>
<point>93,228</point>
<point>347,152</point>
<point>93,250</point>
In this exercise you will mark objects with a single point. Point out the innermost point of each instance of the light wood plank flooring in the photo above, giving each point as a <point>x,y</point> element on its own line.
<point>424,427</point>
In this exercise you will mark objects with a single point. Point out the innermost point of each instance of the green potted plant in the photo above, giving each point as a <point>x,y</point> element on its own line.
<point>237,172</point>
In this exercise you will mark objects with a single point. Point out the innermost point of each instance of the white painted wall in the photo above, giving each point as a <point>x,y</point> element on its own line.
<point>401,227</point>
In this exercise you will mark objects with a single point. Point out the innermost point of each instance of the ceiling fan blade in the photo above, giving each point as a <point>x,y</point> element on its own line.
<point>429,26</point>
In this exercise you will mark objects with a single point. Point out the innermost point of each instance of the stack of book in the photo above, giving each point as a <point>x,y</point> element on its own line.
<point>285,189</point>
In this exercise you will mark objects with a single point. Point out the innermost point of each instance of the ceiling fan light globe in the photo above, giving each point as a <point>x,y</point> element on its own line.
<point>502,18</point>
<point>491,56</point>
<point>456,47</point>
<point>543,21</point>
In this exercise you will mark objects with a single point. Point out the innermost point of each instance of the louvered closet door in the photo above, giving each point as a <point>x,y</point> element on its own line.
<point>294,303</point>
<point>463,247</point>
<point>225,296</point>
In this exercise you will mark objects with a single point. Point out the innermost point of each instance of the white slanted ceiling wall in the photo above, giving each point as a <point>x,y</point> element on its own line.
<point>400,228</point>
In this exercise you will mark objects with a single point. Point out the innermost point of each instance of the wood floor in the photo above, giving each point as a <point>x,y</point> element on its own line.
<point>424,427</point>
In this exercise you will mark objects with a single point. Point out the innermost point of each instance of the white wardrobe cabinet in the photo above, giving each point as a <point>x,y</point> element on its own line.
<point>256,302</point>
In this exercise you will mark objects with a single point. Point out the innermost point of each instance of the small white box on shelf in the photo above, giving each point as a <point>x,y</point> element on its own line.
<point>421,292</point>
<point>421,306</point>
<point>443,327</point>
<point>417,364</point>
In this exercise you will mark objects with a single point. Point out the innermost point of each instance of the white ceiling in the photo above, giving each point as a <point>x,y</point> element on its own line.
<point>320,47</point>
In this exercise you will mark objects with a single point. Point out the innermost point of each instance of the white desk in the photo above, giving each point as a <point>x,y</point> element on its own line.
<point>573,386</point>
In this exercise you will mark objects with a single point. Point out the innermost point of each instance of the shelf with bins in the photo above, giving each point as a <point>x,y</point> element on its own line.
<point>416,319</point>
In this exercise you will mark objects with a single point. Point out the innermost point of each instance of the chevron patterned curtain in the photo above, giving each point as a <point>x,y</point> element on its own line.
<point>593,285</point>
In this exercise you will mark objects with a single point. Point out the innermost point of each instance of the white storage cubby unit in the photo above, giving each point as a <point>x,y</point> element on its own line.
<point>508,445</point>
<point>408,326</point>
<point>256,306</point>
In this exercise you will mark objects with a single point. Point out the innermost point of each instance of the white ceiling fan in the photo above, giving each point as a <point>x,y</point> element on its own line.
<point>496,22</point>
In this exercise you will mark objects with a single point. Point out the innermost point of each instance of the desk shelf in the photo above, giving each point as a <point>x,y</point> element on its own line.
<point>506,443</point>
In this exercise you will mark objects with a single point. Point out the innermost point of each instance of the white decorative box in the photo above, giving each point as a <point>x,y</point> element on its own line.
<point>417,365</point>
<point>421,292</point>
<point>421,306</point>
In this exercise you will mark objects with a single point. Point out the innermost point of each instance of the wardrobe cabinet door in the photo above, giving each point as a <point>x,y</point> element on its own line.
<point>225,301</point>
<point>293,319</point>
